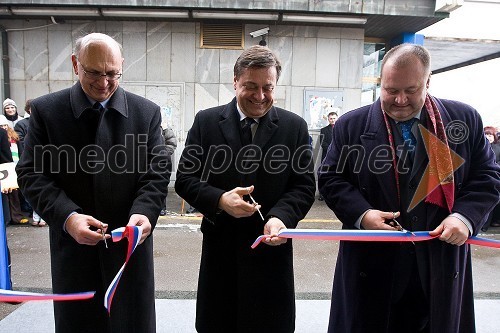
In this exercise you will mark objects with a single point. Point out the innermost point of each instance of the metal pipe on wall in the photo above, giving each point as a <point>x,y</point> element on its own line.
<point>5,62</point>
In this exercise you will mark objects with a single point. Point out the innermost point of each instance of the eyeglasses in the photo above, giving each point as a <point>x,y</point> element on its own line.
<point>96,76</point>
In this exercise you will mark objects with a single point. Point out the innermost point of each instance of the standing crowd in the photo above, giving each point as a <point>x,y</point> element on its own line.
<point>247,166</point>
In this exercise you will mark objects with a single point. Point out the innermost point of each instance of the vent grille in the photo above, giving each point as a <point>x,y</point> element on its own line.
<point>222,36</point>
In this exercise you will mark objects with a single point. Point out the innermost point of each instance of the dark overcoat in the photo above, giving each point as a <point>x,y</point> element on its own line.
<point>361,177</point>
<point>240,289</point>
<point>119,169</point>
<point>326,139</point>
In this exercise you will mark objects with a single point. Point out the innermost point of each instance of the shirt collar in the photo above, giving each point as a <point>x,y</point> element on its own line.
<point>103,103</point>
<point>417,116</point>
<point>242,115</point>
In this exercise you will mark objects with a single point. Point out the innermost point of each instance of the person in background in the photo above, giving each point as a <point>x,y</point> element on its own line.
<point>10,112</point>
<point>378,175</point>
<point>21,129</point>
<point>326,137</point>
<point>490,133</point>
<point>236,153</point>
<point>82,201</point>
<point>16,214</point>
<point>170,143</point>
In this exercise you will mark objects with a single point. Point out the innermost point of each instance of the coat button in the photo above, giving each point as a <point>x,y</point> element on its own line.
<point>362,274</point>
<point>455,275</point>
<point>414,219</point>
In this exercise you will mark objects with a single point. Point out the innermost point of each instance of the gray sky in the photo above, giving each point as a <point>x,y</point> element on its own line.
<point>477,85</point>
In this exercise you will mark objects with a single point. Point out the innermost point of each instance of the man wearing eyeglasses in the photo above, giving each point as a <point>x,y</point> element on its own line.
<point>94,160</point>
<point>247,167</point>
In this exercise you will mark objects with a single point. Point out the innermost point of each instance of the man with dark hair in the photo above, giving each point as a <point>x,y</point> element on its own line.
<point>247,167</point>
<point>325,137</point>
<point>392,166</point>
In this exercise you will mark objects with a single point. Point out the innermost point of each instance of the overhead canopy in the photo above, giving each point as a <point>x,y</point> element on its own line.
<point>447,53</point>
<point>452,53</point>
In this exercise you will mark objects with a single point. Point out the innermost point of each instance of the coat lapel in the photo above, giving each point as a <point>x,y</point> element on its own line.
<point>228,124</point>
<point>375,135</point>
<point>268,124</point>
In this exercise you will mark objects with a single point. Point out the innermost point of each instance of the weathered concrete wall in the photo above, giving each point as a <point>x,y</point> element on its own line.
<point>164,62</point>
<point>387,7</point>
<point>169,52</point>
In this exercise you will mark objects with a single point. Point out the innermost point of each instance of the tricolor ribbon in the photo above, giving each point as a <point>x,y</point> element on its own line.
<point>368,236</point>
<point>20,296</point>
<point>133,233</point>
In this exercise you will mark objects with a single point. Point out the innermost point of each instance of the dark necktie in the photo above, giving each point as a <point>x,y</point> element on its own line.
<point>96,109</point>
<point>94,115</point>
<point>408,138</point>
<point>406,132</point>
<point>246,131</point>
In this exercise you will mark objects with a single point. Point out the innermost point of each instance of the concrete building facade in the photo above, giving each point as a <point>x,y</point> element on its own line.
<point>166,62</point>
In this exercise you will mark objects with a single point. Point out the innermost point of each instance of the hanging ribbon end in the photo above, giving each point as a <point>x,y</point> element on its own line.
<point>257,241</point>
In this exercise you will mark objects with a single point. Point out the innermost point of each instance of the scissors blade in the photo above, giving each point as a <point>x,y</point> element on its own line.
<point>255,203</point>
<point>104,238</point>
<point>401,229</point>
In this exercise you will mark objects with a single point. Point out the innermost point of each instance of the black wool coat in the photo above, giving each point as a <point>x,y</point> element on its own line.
<point>240,289</point>
<point>353,183</point>
<point>110,172</point>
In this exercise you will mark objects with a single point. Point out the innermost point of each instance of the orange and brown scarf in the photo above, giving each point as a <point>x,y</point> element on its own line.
<point>436,186</point>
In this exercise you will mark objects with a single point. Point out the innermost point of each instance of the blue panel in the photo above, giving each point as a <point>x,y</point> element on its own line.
<point>408,37</point>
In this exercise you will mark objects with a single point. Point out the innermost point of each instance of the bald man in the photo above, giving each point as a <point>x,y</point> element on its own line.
<point>94,161</point>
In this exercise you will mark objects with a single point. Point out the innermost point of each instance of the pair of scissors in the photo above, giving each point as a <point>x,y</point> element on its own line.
<point>104,236</point>
<point>255,204</point>
<point>395,224</point>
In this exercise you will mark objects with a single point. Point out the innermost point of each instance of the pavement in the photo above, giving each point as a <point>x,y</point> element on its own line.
<point>177,249</point>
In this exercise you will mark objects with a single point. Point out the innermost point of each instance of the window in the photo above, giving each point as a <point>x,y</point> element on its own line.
<point>374,51</point>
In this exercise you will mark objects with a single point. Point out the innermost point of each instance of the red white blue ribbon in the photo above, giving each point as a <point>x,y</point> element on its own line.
<point>20,296</point>
<point>368,236</point>
<point>133,233</point>
<point>483,242</point>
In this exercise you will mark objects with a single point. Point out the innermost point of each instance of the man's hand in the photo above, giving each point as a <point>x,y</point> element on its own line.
<point>271,229</point>
<point>143,221</point>
<point>85,229</point>
<point>376,219</point>
<point>452,231</point>
<point>232,202</point>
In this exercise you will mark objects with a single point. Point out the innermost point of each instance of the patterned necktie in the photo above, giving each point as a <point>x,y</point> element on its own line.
<point>406,132</point>
<point>246,131</point>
